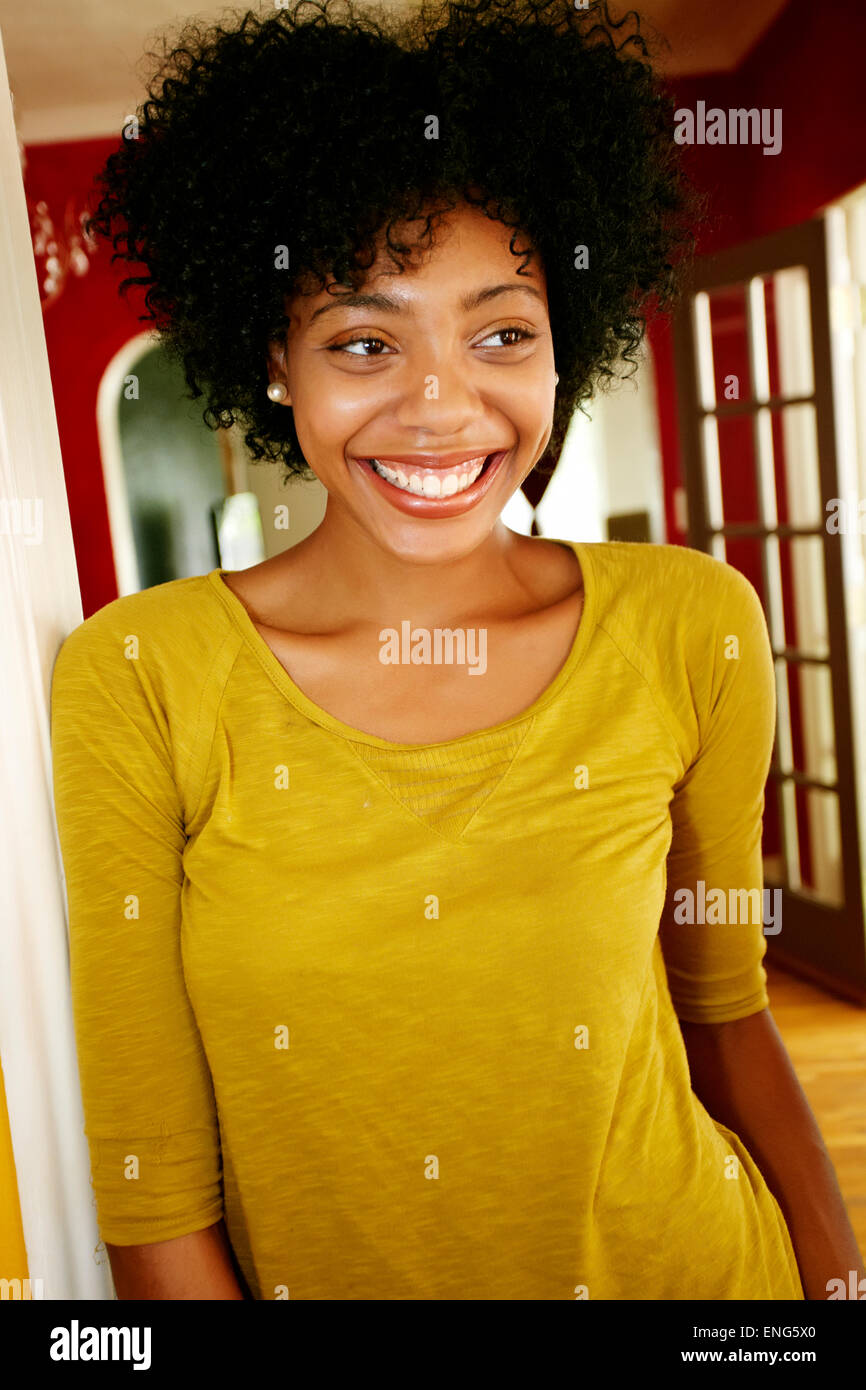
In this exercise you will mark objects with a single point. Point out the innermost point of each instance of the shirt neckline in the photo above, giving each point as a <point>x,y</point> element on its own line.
<point>274,668</point>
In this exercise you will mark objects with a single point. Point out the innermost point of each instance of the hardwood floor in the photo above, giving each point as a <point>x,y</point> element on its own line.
<point>826,1040</point>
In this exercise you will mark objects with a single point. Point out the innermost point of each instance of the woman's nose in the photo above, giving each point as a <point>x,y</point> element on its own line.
<point>439,392</point>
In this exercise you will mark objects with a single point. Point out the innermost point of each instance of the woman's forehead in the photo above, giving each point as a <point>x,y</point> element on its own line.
<point>470,254</point>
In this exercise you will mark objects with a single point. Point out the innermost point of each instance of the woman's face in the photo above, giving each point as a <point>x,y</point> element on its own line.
<point>450,361</point>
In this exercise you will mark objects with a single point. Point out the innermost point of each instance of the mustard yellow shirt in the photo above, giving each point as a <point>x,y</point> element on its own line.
<point>406,1015</point>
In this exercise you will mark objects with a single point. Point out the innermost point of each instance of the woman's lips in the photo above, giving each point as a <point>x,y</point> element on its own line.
<point>435,462</point>
<point>418,504</point>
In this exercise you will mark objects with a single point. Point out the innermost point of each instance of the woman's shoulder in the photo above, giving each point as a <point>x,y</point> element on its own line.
<point>178,607</point>
<point>170,631</point>
<point>676,615</point>
<point>668,591</point>
<point>662,566</point>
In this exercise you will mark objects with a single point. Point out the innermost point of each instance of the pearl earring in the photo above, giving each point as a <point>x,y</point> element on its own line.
<point>556,378</point>
<point>277,391</point>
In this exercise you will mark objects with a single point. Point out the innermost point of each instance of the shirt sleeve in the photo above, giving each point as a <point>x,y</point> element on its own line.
<point>713,961</point>
<point>150,1115</point>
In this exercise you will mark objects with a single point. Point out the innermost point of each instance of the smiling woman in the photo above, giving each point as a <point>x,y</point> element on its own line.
<point>378,989</point>
<point>272,156</point>
<point>439,372</point>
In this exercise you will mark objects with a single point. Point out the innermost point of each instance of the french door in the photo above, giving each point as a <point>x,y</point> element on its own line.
<point>757,416</point>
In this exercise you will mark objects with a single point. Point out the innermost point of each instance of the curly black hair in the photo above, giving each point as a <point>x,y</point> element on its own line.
<point>310,129</point>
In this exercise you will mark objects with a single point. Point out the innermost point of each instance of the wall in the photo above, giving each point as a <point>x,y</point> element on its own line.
<point>84,328</point>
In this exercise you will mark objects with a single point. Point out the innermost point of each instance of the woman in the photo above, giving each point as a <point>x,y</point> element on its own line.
<point>380,990</point>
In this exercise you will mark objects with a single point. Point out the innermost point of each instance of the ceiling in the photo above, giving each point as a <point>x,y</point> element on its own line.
<point>74,69</point>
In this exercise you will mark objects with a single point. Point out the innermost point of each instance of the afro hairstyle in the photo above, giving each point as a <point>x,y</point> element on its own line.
<point>319,127</point>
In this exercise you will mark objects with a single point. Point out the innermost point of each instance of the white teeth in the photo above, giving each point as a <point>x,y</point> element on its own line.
<point>431,484</point>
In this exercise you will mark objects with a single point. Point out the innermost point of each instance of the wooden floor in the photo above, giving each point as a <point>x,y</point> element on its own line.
<point>826,1041</point>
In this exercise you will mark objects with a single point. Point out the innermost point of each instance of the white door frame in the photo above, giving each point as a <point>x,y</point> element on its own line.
<point>39,605</point>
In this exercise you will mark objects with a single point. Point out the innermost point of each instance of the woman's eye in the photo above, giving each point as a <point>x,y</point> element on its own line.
<point>353,342</point>
<point>523,335</point>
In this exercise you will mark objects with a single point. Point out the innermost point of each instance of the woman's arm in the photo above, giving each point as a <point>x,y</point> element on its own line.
<point>146,1086</point>
<point>197,1266</point>
<point>743,1076</point>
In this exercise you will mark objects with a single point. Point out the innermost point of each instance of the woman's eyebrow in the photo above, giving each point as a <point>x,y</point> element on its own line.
<point>384,303</point>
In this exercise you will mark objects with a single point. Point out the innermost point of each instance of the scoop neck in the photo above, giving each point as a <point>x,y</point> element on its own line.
<point>278,674</point>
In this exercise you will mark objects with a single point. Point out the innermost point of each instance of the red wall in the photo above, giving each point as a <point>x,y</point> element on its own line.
<point>84,328</point>
<point>805,64</point>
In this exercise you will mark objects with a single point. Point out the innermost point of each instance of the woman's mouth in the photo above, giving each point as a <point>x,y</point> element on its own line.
<point>433,491</point>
